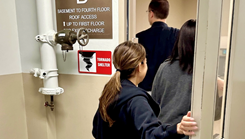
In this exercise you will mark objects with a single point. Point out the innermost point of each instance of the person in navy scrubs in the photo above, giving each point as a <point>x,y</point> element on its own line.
<point>128,112</point>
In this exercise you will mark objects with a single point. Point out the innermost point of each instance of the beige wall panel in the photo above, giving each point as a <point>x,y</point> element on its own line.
<point>237,122</point>
<point>12,108</point>
<point>75,108</point>
<point>142,22</point>
<point>225,17</point>
<point>122,21</point>
<point>190,9</point>
<point>176,14</point>
<point>35,110</point>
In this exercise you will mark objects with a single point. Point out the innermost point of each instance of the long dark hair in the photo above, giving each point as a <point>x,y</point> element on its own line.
<point>184,46</point>
<point>126,58</point>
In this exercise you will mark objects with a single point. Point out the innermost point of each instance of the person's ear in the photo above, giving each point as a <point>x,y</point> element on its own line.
<point>140,68</point>
<point>151,14</point>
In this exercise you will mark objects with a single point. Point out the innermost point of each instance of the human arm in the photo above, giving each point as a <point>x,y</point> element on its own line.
<point>220,86</point>
<point>147,125</point>
<point>219,97</point>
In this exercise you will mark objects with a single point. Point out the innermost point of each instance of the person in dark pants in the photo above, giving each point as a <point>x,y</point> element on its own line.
<point>158,40</point>
<point>128,112</point>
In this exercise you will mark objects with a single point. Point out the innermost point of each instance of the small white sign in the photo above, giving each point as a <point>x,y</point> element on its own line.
<point>81,1</point>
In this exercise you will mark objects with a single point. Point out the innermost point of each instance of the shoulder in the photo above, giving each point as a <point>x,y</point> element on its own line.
<point>142,33</point>
<point>141,104</point>
<point>161,72</point>
<point>136,96</point>
<point>166,70</point>
<point>172,31</point>
<point>130,91</point>
<point>168,64</point>
<point>165,64</point>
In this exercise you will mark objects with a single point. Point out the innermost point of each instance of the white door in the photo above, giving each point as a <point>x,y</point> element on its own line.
<point>220,48</point>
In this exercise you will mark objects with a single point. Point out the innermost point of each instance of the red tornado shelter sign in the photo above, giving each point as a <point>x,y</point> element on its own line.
<point>94,62</point>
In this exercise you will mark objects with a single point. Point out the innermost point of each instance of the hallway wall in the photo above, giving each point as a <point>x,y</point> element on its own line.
<point>37,121</point>
<point>22,113</point>
<point>75,108</point>
<point>12,108</point>
<point>12,102</point>
<point>9,50</point>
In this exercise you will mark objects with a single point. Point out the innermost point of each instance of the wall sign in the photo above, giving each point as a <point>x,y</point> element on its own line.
<point>94,62</point>
<point>93,15</point>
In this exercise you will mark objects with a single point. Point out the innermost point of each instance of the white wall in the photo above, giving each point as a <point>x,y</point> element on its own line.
<point>27,30</point>
<point>29,47</point>
<point>24,53</point>
<point>19,52</point>
<point>9,47</point>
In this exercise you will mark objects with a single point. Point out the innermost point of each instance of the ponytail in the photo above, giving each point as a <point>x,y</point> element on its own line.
<point>111,89</point>
<point>126,58</point>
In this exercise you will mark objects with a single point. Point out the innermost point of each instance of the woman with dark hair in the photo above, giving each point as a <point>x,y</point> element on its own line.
<point>127,111</point>
<point>173,82</point>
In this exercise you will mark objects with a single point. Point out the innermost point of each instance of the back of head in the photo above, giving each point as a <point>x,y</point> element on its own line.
<point>184,46</point>
<point>160,8</point>
<point>126,58</point>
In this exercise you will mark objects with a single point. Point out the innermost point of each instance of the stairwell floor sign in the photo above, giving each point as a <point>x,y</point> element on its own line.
<point>94,62</point>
